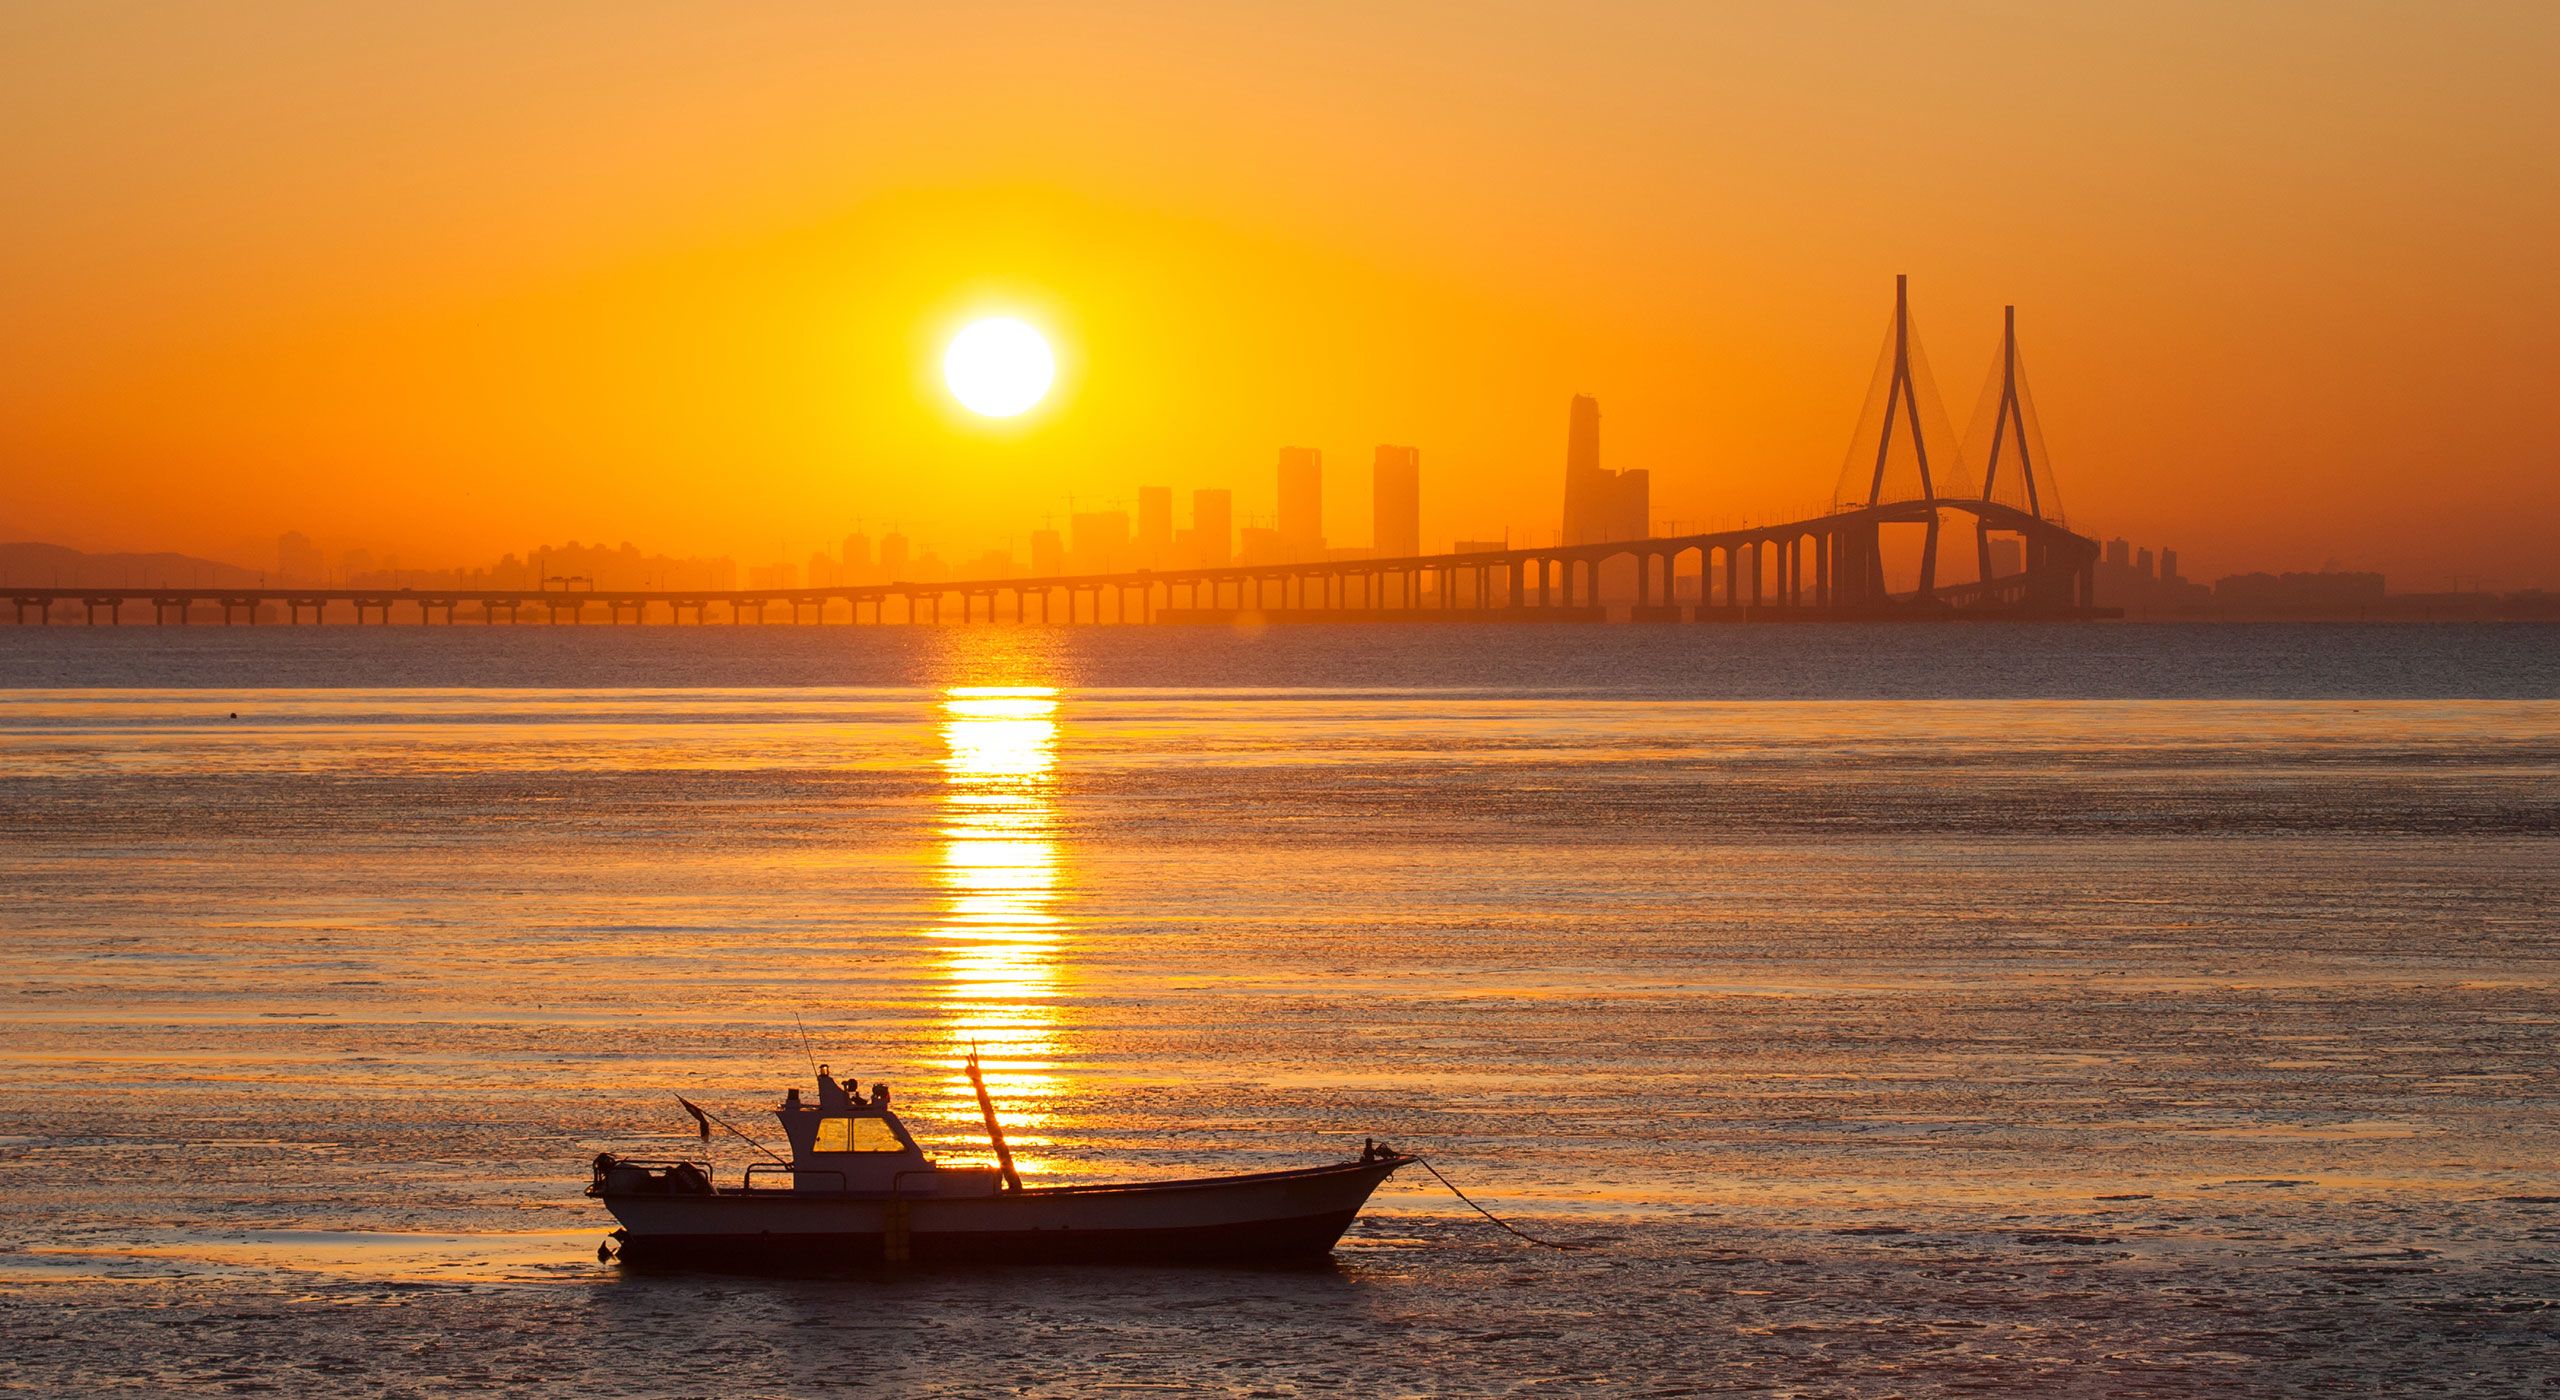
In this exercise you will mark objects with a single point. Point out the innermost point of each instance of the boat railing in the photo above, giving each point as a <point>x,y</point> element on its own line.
<point>842,1185</point>
<point>795,1173</point>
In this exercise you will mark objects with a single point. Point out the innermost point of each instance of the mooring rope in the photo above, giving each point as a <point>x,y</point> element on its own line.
<point>1489,1215</point>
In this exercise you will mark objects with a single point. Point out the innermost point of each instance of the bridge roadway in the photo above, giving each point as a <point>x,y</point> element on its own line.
<point>1829,566</point>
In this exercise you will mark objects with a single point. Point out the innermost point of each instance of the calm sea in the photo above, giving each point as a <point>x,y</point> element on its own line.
<point>2101,1010</point>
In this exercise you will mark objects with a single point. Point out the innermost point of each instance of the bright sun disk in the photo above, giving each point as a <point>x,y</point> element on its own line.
<point>998,367</point>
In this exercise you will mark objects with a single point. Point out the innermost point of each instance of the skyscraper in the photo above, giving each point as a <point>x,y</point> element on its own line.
<point>893,556</point>
<point>1302,503</point>
<point>1602,505</point>
<point>1213,526</point>
<point>1155,525</point>
<point>1582,435</point>
<point>1395,502</point>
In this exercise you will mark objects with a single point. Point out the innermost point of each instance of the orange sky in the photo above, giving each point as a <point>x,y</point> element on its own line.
<point>457,278</point>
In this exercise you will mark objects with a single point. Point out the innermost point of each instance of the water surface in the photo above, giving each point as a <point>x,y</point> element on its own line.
<point>1885,1011</point>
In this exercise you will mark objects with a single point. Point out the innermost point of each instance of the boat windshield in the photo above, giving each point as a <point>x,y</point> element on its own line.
<point>841,1134</point>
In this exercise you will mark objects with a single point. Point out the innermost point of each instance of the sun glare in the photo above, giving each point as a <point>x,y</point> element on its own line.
<point>998,367</point>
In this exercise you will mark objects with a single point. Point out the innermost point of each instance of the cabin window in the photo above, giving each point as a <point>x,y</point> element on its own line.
<point>857,1135</point>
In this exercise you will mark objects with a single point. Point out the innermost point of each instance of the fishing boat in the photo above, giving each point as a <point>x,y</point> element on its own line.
<point>857,1189</point>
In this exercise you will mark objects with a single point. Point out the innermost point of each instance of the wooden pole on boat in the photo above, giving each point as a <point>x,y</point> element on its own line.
<point>995,1130</point>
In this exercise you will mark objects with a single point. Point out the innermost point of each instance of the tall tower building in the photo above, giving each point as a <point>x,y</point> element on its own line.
<point>1213,526</point>
<point>1602,505</point>
<point>893,556</point>
<point>1155,525</point>
<point>1582,435</point>
<point>1583,491</point>
<point>1395,502</point>
<point>1302,503</point>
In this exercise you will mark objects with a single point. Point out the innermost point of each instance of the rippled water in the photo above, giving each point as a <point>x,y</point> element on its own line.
<point>2090,1011</point>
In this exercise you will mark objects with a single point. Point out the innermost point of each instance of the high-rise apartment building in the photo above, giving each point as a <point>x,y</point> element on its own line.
<point>1098,541</point>
<point>1395,502</point>
<point>1301,503</point>
<point>1213,527</point>
<point>893,556</point>
<point>1155,525</point>
<point>1048,554</point>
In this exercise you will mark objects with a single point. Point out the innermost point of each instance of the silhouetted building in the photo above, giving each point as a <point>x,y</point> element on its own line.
<point>298,559</point>
<point>1599,504</point>
<point>2126,577</point>
<point>2327,594</point>
<point>1213,531</point>
<point>893,557</point>
<point>1255,545</point>
<point>1395,502</point>
<point>1155,525</point>
<point>857,558</point>
<point>773,576</point>
<point>1301,503</point>
<point>1048,554</point>
<point>1098,541</point>
<point>1602,505</point>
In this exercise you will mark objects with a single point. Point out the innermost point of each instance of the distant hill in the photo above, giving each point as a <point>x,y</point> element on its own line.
<point>35,565</point>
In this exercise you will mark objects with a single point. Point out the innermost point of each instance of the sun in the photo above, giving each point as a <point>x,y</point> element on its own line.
<point>998,367</point>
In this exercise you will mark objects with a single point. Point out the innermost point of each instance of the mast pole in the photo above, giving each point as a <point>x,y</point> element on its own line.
<point>995,1130</point>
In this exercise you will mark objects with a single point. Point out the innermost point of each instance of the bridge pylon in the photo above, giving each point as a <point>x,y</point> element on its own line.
<point>2006,443</point>
<point>1902,447</point>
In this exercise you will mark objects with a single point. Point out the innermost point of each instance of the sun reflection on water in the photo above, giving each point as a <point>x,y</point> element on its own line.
<point>1000,868</point>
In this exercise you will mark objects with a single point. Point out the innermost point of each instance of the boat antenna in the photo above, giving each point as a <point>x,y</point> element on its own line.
<point>706,1117</point>
<point>995,1130</point>
<point>805,1047</point>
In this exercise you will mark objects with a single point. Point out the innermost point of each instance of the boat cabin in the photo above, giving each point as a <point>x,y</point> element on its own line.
<point>846,1142</point>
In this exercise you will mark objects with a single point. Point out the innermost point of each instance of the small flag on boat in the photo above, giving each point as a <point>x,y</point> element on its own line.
<point>700,1120</point>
